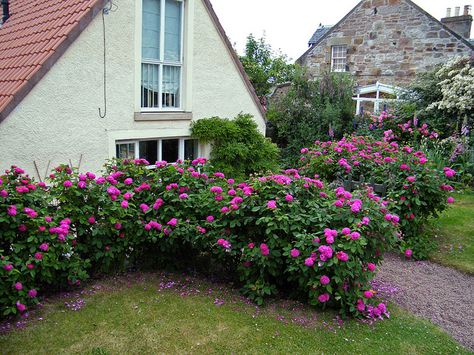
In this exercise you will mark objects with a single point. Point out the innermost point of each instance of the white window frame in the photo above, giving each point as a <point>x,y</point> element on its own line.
<point>159,141</point>
<point>336,54</point>
<point>162,63</point>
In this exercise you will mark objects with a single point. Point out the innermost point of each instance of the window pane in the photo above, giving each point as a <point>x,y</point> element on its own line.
<point>150,85</point>
<point>148,150</point>
<point>125,150</point>
<point>190,149</point>
<point>171,82</point>
<point>170,150</point>
<point>151,29</point>
<point>173,30</point>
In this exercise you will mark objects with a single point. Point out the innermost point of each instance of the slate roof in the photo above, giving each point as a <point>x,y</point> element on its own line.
<point>321,31</point>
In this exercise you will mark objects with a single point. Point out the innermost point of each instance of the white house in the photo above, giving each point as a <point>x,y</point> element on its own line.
<point>151,66</point>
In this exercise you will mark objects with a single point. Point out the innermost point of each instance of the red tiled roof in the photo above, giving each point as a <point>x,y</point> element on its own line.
<point>35,36</point>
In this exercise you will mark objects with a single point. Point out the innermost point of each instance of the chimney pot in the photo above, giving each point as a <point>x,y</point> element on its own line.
<point>457,10</point>
<point>448,12</point>
<point>467,10</point>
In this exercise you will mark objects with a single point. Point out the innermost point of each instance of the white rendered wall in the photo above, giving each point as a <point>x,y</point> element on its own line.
<point>58,121</point>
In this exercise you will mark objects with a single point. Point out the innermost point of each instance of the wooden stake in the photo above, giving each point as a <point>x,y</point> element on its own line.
<point>80,161</point>
<point>37,171</point>
<point>47,170</point>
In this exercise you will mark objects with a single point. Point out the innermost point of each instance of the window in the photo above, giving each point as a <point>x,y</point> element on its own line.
<point>169,149</point>
<point>125,150</point>
<point>162,63</point>
<point>338,58</point>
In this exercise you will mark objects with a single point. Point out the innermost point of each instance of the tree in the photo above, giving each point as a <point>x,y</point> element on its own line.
<point>264,67</point>
<point>456,82</point>
<point>443,98</point>
<point>311,110</point>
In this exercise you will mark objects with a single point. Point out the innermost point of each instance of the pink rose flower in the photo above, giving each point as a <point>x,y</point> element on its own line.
<point>371,266</point>
<point>44,247</point>
<point>172,222</point>
<point>324,297</point>
<point>346,231</point>
<point>309,262</point>
<point>32,293</point>
<point>21,307</point>
<point>67,183</point>
<point>271,204</point>
<point>294,253</point>
<point>450,199</point>
<point>264,249</point>
<point>368,294</point>
<point>18,286</point>
<point>408,253</point>
<point>324,280</point>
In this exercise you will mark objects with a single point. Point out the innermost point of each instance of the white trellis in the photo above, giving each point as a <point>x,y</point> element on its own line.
<point>376,88</point>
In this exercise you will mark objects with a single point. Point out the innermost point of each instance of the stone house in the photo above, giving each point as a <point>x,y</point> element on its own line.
<point>387,42</point>
<point>151,66</point>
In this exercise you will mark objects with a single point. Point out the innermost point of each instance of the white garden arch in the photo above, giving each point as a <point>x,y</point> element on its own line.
<point>375,94</point>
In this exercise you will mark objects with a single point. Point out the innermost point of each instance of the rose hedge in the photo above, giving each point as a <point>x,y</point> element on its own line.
<point>416,190</point>
<point>280,233</point>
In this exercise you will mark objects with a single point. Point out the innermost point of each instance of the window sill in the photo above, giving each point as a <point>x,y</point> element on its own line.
<point>163,116</point>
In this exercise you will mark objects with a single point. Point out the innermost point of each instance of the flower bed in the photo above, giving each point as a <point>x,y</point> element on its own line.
<point>280,233</point>
<point>416,190</point>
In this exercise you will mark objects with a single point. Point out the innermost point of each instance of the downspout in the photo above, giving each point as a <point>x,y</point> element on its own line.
<point>6,10</point>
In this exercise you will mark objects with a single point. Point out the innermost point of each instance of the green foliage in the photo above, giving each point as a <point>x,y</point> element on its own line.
<point>442,98</point>
<point>415,189</point>
<point>170,215</point>
<point>238,148</point>
<point>312,109</point>
<point>264,67</point>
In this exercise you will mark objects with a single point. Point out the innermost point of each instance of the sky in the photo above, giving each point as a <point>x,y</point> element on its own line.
<point>288,25</point>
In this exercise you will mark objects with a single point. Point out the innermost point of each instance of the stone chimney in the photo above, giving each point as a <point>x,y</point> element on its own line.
<point>461,24</point>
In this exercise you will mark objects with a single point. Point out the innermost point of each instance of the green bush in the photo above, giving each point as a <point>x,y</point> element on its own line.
<point>312,109</point>
<point>238,148</point>
<point>277,233</point>
<point>415,190</point>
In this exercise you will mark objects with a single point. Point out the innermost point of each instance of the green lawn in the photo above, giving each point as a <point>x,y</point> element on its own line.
<point>454,232</point>
<point>130,316</point>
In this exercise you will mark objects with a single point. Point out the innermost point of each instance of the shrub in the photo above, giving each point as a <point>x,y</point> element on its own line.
<point>277,233</point>
<point>312,109</point>
<point>415,189</point>
<point>36,246</point>
<point>238,148</point>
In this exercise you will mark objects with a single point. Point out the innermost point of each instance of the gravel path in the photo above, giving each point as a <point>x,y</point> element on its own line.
<point>441,294</point>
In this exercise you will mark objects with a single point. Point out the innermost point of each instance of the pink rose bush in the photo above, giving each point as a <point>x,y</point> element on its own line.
<point>274,233</point>
<point>416,190</point>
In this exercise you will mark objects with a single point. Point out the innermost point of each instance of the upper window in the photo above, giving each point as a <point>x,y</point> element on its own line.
<point>338,58</point>
<point>162,62</point>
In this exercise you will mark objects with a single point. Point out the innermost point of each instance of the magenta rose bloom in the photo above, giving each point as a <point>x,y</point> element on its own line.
<point>324,280</point>
<point>294,253</point>
<point>309,262</point>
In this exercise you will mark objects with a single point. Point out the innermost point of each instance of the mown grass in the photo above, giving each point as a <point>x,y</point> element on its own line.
<point>134,317</point>
<point>454,233</point>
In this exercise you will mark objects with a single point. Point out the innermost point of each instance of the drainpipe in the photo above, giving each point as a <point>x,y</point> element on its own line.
<point>6,10</point>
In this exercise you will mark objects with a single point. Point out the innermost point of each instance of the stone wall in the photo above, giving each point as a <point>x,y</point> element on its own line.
<point>390,44</point>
